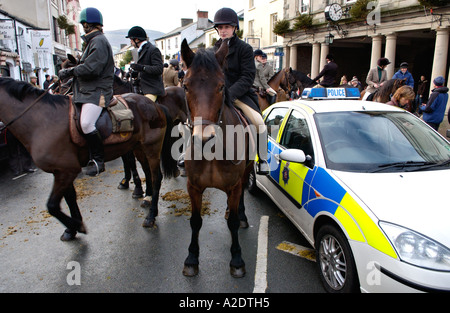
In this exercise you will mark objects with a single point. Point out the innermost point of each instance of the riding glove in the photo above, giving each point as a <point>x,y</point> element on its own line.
<point>66,73</point>
<point>137,67</point>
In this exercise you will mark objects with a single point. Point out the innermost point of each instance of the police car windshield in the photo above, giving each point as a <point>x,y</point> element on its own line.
<point>366,141</point>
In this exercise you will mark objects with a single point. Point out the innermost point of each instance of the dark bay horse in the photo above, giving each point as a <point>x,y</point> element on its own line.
<point>384,93</point>
<point>209,114</point>
<point>301,80</point>
<point>41,122</point>
<point>175,103</point>
<point>279,79</point>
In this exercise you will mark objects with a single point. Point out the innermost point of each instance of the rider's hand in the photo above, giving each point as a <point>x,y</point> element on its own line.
<point>65,73</point>
<point>137,67</point>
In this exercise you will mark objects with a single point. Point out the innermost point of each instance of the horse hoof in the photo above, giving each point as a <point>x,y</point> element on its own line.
<point>243,224</point>
<point>190,270</point>
<point>237,272</point>
<point>123,184</point>
<point>148,223</point>
<point>146,203</point>
<point>68,235</point>
<point>82,229</point>
<point>137,193</point>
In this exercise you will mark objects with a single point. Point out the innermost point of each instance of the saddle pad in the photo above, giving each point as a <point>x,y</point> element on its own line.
<point>104,126</point>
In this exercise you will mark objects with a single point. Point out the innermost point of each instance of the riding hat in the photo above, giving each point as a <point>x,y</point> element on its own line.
<point>330,57</point>
<point>226,16</point>
<point>137,32</point>
<point>91,16</point>
<point>383,61</point>
<point>404,65</point>
<point>258,52</point>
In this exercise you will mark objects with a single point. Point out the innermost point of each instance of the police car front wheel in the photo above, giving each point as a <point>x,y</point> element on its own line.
<point>335,260</point>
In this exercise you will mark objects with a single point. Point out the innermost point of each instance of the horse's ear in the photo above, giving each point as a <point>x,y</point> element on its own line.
<point>72,59</point>
<point>221,54</point>
<point>186,53</point>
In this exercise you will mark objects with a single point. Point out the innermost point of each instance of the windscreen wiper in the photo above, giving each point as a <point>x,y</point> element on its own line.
<point>436,164</point>
<point>386,166</point>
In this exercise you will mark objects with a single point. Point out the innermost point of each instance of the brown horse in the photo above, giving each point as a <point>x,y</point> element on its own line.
<point>278,80</point>
<point>209,114</point>
<point>41,122</point>
<point>384,93</point>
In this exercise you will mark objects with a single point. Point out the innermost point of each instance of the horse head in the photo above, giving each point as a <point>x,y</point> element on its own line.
<point>204,86</point>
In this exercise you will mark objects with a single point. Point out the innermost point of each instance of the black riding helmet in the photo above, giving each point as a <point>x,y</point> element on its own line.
<point>226,16</point>
<point>137,32</point>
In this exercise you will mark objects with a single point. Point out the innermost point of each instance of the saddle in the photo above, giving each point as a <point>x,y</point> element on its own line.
<point>245,121</point>
<point>115,123</point>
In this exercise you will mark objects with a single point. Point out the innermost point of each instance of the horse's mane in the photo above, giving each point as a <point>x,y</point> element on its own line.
<point>273,76</point>
<point>303,78</point>
<point>20,90</point>
<point>205,59</point>
<point>386,89</point>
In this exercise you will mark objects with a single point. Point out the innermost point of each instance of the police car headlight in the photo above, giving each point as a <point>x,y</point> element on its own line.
<point>417,249</point>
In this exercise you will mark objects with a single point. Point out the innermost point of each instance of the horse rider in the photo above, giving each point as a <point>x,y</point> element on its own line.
<point>93,84</point>
<point>263,73</point>
<point>328,72</point>
<point>170,74</point>
<point>239,77</point>
<point>376,78</point>
<point>149,66</point>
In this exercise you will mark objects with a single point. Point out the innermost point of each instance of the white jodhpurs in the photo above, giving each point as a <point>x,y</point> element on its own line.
<point>89,115</point>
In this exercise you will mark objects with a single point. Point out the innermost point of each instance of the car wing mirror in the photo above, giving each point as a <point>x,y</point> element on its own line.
<point>448,133</point>
<point>294,155</point>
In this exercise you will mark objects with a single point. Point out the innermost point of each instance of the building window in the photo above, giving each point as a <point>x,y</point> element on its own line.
<point>251,3</point>
<point>251,31</point>
<point>303,6</point>
<point>273,21</point>
<point>55,30</point>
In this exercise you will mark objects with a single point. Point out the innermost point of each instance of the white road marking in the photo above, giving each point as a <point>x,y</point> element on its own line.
<point>261,256</point>
<point>298,250</point>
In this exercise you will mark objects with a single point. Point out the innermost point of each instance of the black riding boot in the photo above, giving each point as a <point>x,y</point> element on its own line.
<point>262,167</point>
<point>96,163</point>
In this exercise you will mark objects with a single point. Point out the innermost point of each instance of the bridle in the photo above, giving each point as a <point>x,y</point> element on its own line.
<point>190,124</point>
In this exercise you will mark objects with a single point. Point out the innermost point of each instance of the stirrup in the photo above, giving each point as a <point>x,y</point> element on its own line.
<point>90,167</point>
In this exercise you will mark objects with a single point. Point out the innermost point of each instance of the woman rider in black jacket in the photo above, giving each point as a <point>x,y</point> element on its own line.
<point>239,77</point>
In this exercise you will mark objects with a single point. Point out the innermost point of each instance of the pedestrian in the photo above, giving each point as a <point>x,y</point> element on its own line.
<point>170,74</point>
<point>355,83</point>
<point>92,84</point>
<point>403,73</point>
<point>19,158</point>
<point>403,98</point>
<point>48,81</point>
<point>376,78</point>
<point>263,74</point>
<point>33,81</point>
<point>328,73</point>
<point>181,74</point>
<point>149,65</point>
<point>422,91</point>
<point>343,82</point>
<point>434,110</point>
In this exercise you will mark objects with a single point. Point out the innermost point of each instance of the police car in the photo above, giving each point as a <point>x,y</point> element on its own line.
<point>365,183</point>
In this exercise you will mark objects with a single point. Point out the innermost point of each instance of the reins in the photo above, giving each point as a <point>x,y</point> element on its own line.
<point>26,110</point>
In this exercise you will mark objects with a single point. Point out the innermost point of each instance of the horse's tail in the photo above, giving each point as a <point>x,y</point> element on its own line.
<point>168,163</point>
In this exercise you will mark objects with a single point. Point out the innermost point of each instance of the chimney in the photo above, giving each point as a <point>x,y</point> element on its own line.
<point>186,21</point>
<point>202,19</point>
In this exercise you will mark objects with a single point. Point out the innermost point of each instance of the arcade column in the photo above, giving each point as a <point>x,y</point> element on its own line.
<point>391,43</point>
<point>376,50</point>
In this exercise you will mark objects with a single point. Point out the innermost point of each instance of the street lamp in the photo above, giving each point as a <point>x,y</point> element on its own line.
<point>329,38</point>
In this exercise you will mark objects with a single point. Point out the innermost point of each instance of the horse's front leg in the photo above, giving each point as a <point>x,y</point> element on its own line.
<point>140,155</point>
<point>237,265</point>
<point>63,187</point>
<point>191,262</point>
<point>243,222</point>
<point>156,178</point>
